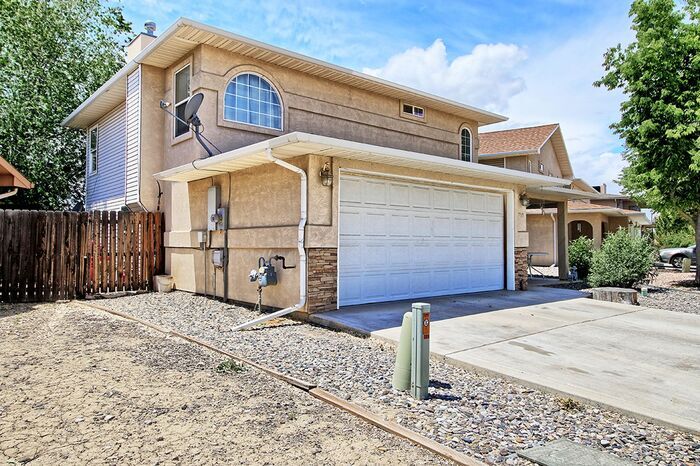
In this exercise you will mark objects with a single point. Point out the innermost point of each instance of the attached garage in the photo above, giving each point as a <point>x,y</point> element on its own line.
<point>405,240</point>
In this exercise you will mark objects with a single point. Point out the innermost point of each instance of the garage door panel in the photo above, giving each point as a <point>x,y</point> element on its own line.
<point>374,192</point>
<point>352,191</point>
<point>400,225</point>
<point>375,224</point>
<point>399,255</point>
<point>352,221</point>
<point>350,255</point>
<point>460,201</point>
<point>399,285</point>
<point>442,226</point>
<point>420,197</point>
<point>421,226</point>
<point>404,240</point>
<point>477,202</point>
<point>494,204</point>
<point>374,286</point>
<point>441,199</point>
<point>399,195</point>
<point>375,256</point>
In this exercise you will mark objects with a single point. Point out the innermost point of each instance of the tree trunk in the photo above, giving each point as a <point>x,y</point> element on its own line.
<point>697,243</point>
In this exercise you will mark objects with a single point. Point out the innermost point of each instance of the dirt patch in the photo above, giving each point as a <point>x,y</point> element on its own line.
<point>77,386</point>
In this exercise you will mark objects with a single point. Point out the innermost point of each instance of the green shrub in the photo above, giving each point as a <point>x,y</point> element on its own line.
<point>622,260</point>
<point>676,239</point>
<point>581,255</point>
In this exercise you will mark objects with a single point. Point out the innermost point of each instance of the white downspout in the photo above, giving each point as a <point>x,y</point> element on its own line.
<point>9,193</point>
<point>300,247</point>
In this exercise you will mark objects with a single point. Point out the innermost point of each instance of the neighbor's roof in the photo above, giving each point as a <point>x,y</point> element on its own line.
<point>585,207</point>
<point>297,143</point>
<point>526,141</point>
<point>11,177</point>
<point>185,35</point>
<point>580,207</point>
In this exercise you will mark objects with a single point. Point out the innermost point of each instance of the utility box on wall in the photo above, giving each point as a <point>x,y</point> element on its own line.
<point>216,216</point>
<point>213,200</point>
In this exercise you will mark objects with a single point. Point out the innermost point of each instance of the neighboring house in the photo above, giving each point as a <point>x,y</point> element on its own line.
<point>12,179</point>
<point>371,189</point>
<point>541,149</point>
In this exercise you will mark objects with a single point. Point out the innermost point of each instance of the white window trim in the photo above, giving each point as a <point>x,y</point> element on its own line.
<point>279,96</point>
<point>471,144</point>
<point>412,114</point>
<point>90,164</point>
<point>177,137</point>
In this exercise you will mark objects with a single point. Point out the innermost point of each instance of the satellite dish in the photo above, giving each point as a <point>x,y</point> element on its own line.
<point>192,106</point>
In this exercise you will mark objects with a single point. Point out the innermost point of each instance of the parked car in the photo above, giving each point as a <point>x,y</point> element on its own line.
<point>675,256</point>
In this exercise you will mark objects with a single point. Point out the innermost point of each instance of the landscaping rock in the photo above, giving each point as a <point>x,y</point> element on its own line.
<point>477,414</point>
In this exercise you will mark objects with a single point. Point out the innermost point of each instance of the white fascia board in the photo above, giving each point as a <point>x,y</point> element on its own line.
<point>384,155</point>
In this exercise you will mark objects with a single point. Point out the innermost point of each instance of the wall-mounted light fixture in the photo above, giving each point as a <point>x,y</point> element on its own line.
<point>524,200</point>
<point>326,174</point>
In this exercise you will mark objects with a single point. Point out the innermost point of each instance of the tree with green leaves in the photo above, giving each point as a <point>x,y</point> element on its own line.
<point>659,73</point>
<point>53,55</point>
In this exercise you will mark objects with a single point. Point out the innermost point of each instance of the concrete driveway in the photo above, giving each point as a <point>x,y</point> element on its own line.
<point>642,361</point>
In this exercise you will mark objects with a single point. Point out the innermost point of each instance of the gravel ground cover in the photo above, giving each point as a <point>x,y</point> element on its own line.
<point>672,290</point>
<point>487,417</point>
<point>82,387</point>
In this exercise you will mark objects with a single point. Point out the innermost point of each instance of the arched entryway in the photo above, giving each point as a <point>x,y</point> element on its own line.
<point>579,228</point>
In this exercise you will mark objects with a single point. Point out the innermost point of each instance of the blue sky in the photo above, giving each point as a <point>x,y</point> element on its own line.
<point>533,61</point>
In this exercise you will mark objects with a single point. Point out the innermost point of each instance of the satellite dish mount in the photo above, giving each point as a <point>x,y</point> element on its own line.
<point>191,118</point>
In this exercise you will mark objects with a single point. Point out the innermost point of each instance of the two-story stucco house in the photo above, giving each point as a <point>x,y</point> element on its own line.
<point>372,190</point>
<point>591,212</point>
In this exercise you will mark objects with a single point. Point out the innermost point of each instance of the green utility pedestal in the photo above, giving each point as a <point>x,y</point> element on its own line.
<point>420,350</point>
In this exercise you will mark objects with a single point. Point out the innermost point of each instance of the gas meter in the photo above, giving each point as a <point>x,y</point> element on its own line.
<point>266,275</point>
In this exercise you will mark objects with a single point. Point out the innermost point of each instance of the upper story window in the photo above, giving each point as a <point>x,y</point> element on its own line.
<point>465,146</point>
<point>92,151</point>
<point>251,99</point>
<point>182,93</point>
<point>418,112</point>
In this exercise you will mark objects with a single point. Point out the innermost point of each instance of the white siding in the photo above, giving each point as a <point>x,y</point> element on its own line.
<point>133,138</point>
<point>105,188</point>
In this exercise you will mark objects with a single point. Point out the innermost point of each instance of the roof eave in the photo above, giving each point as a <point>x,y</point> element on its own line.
<point>251,156</point>
<point>483,117</point>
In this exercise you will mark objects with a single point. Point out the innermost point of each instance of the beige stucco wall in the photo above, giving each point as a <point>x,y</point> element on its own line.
<point>262,221</point>
<point>541,229</point>
<point>549,158</point>
<point>263,202</point>
<point>310,105</point>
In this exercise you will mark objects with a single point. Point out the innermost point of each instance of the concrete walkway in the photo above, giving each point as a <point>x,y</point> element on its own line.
<point>638,360</point>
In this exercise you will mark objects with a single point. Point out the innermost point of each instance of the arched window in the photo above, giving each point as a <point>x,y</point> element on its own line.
<point>465,147</point>
<point>251,99</point>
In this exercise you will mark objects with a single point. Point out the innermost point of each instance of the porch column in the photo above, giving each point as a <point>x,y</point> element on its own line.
<point>562,241</point>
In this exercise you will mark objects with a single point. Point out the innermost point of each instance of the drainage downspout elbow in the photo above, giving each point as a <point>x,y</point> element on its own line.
<point>9,193</point>
<point>300,245</point>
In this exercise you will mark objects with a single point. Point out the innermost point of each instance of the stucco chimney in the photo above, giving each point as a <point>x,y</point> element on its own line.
<point>141,41</point>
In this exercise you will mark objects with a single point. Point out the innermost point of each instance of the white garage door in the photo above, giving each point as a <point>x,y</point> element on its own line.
<point>402,240</point>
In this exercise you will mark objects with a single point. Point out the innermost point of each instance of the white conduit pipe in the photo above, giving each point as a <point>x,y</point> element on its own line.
<point>300,248</point>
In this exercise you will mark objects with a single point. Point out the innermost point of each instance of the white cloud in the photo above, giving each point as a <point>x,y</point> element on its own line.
<point>553,82</point>
<point>485,77</point>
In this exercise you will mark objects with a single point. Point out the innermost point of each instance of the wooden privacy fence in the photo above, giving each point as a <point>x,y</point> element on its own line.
<point>47,256</point>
